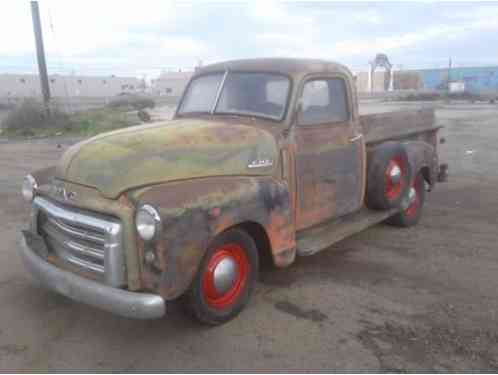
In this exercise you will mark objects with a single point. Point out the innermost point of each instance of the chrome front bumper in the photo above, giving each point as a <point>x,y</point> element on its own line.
<point>118,301</point>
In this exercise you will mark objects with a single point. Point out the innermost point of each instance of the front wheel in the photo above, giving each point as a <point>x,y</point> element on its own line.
<point>411,210</point>
<point>225,280</point>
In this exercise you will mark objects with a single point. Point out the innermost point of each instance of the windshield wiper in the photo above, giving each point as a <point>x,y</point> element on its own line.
<point>249,114</point>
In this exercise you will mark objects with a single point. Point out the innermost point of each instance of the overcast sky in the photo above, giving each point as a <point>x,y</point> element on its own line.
<point>144,37</point>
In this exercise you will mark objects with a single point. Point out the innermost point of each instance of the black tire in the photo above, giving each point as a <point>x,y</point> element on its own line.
<point>197,300</point>
<point>381,193</point>
<point>411,215</point>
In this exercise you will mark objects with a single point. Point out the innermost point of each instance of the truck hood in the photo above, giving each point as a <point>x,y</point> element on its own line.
<point>168,151</point>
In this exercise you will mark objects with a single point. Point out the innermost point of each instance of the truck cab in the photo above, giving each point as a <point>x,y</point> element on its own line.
<point>264,159</point>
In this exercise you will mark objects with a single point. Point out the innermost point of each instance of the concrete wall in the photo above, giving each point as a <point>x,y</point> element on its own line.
<point>407,80</point>
<point>170,83</point>
<point>379,78</point>
<point>25,85</point>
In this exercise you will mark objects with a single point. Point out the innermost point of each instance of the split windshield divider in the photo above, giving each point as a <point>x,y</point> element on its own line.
<point>218,94</point>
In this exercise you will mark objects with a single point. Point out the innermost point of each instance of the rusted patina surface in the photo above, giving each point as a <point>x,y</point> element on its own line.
<point>423,157</point>
<point>163,152</point>
<point>381,127</point>
<point>195,211</point>
<point>330,170</point>
<point>295,68</point>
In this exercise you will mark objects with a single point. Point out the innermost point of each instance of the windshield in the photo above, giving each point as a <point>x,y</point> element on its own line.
<point>242,93</point>
<point>201,94</point>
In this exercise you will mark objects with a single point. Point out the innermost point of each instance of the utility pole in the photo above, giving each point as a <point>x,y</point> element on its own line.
<point>449,74</point>
<point>40,54</point>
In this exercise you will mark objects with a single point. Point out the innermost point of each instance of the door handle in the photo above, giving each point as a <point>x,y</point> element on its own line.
<point>355,138</point>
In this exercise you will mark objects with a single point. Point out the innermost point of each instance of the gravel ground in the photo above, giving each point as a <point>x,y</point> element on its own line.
<point>385,299</point>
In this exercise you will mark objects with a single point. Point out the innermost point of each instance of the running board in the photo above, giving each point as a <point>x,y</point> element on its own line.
<point>312,240</point>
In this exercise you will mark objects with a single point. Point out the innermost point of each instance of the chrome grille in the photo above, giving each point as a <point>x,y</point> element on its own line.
<point>90,241</point>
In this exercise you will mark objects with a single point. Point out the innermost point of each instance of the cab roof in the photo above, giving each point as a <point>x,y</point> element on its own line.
<point>288,66</point>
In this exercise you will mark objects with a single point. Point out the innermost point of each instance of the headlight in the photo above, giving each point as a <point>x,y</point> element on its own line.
<point>147,221</point>
<point>29,186</point>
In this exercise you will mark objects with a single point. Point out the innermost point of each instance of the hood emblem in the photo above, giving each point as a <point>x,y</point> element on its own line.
<point>260,163</point>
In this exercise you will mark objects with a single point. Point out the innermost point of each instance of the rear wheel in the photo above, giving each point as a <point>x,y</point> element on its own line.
<point>225,280</point>
<point>411,207</point>
<point>388,177</point>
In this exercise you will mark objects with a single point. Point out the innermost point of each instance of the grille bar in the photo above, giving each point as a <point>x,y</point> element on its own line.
<point>70,245</point>
<point>68,257</point>
<point>84,235</point>
<point>88,240</point>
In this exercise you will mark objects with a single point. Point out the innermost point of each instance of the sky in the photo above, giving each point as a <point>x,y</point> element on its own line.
<point>143,38</point>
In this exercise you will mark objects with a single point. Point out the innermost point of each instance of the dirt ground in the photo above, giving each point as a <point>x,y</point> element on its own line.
<point>385,299</point>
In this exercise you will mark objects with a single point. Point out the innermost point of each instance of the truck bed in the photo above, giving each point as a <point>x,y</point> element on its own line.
<point>396,125</point>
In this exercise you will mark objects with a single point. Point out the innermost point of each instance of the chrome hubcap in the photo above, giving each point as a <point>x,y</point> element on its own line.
<point>395,174</point>
<point>409,199</point>
<point>224,275</point>
<point>412,195</point>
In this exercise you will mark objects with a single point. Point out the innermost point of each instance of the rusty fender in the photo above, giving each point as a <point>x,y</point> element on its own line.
<point>193,212</point>
<point>423,156</point>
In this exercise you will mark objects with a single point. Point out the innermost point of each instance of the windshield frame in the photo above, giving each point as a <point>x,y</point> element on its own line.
<point>225,74</point>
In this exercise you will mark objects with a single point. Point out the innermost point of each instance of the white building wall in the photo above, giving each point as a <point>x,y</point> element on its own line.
<point>25,85</point>
<point>171,83</point>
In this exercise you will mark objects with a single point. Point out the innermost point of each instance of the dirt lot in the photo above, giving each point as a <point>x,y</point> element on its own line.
<point>386,299</point>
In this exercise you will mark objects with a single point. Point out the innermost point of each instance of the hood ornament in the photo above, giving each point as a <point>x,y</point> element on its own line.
<point>60,191</point>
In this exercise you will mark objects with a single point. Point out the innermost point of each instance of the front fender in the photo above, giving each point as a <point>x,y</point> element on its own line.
<point>44,176</point>
<point>193,212</point>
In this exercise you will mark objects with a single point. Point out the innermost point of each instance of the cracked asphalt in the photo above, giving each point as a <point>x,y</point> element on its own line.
<point>386,299</point>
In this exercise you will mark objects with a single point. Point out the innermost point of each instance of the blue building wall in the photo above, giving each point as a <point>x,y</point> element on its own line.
<point>477,80</point>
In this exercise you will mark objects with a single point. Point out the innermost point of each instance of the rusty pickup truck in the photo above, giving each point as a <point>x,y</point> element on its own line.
<point>265,159</point>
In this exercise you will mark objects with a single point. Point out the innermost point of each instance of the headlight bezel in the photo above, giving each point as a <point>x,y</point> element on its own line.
<point>147,222</point>
<point>29,187</point>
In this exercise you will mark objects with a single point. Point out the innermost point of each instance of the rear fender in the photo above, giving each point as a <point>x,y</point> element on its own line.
<point>194,212</point>
<point>422,156</point>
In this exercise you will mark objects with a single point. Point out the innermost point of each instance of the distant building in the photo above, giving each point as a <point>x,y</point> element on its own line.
<point>475,80</point>
<point>478,80</point>
<point>28,85</point>
<point>170,83</point>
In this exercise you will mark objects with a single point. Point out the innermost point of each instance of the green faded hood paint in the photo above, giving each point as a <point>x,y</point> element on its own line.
<point>167,151</point>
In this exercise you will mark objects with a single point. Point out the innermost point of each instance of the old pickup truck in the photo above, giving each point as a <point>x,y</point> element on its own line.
<point>265,159</point>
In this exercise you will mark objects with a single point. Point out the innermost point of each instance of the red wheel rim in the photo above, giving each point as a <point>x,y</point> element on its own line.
<point>414,205</point>
<point>394,188</point>
<point>235,256</point>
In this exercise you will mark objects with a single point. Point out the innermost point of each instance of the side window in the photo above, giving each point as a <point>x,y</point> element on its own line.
<point>323,101</point>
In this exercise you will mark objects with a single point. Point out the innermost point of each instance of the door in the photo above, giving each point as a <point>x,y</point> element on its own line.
<point>329,153</point>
